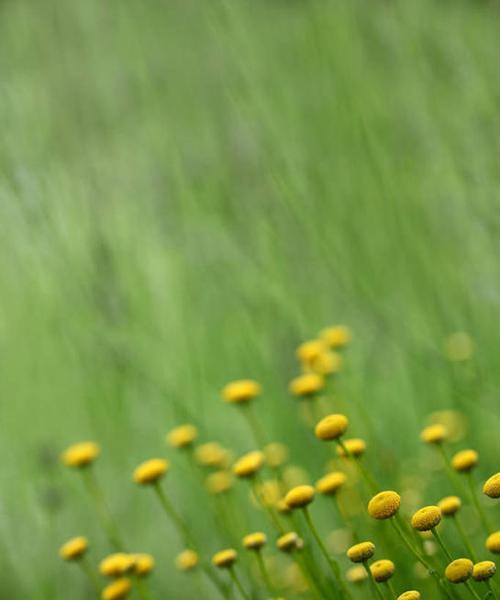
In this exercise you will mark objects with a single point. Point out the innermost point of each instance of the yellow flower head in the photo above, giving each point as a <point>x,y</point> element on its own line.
<point>74,549</point>
<point>450,505</point>
<point>465,460</point>
<point>434,434</point>
<point>410,595</point>
<point>212,454</point>
<point>382,570</point>
<point>491,486</point>
<point>484,570</point>
<point>356,574</point>
<point>255,541</point>
<point>276,454</point>
<point>459,570</point>
<point>309,351</point>
<point>384,505</point>
<point>143,564</point>
<point>249,464</point>
<point>225,558</point>
<point>80,455</point>
<point>116,590</point>
<point>151,470</point>
<point>219,482</point>
<point>306,385</point>
<point>426,518</point>
<point>331,483</point>
<point>300,496</point>
<point>116,564</point>
<point>182,436</point>
<point>354,447</point>
<point>282,507</point>
<point>337,336</point>
<point>241,391</point>
<point>327,363</point>
<point>186,560</point>
<point>493,543</point>
<point>288,542</point>
<point>331,427</point>
<point>361,552</point>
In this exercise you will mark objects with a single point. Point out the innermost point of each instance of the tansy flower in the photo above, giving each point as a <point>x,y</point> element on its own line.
<point>282,507</point>
<point>354,447</point>
<point>382,570</point>
<point>116,590</point>
<point>288,542</point>
<point>306,385</point>
<point>459,570</point>
<point>450,505</point>
<point>225,558</point>
<point>337,336</point>
<point>492,486</point>
<point>356,574</point>
<point>426,518</point>
<point>186,560</point>
<point>74,549</point>
<point>434,434</point>
<point>493,542</point>
<point>361,552</point>
<point>212,454</point>
<point>331,427</point>
<point>410,595</point>
<point>309,351</point>
<point>116,564</point>
<point>484,570</point>
<point>384,505</point>
<point>240,391</point>
<point>182,436</point>
<point>331,483</point>
<point>249,464</point>
<point>465,460</point>
<point>80,455</point>
<point>275,454</point>
<point>326,363</point>
<point>143,564</point>
<point>151,470</point>
<point>300,496</point>
<point>254,541</point>
<point>219,482</point>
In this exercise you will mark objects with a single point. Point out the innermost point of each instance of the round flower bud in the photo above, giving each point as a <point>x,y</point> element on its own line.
<point>331,427</point>
<point>434,434</point>
<point>331,483</point>
<point>80,455</point>
<point>410,595</point>
<point>224,559</point>
<point>459,570</point>
<point>354,447</point>
<point>282,507</point>
<point>465,460</point>
<point>327,363</point>
<point>241,391</point>
<point>450,505</point>
<point>484,570</point>
<point>426,518</point>
<point>117,590</point>
<point>361,552</point>
<point>143,564</point>
<point>306,385</point>
<point>249,464</point>
<point>384,505</point>
<point>151,471</point>
<point>254,541</point>
<point>186,560</point>
<point>382,570</point>
<point>337,336</point>
<point>74,549</point>
<point>182,436</point>
<point>213,455</point>
<point>300,496</point>
<point>491,487</point>
<point>308,352</point>
<point>116,564</point>
<point>219,482</point>
<point>288,542</point>
<point>275,454</point>
<point>356,574</point>
<point>493,543</point>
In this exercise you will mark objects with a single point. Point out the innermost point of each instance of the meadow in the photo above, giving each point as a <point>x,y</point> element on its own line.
<point>190,190</point>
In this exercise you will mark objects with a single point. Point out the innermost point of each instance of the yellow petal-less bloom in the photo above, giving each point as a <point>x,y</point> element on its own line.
<point>241,391</point>
<point>337,336</point>
<point>450,505</point>
<point>300,496</point>
<point>306,385</point>
<point>426,518</point>
<point>81,454</point>
<point>276,454</point>
<point>74,548</point>
<point>309,351</point>
<point>484,570</point>
<point>186,560</point>
<point>225,558</point>
<point>117,590</point>
<point>384,505</point>
<point>354,447</point>
<point>143,564</point>
<point>254,541</point>
<point>151,471</point>
<point>327,363</point>
<point>465,460</point>
<point>249,464</point>
<point>493,542</point>
<point>219,482</point>
<point>491,486</point>
<point>410,595</point>
<point>459,570</point>
<point>212,454</point>
<point>288,542</point>
<point>331,427</point>
<point>434,434</point>
<point>182,436</point>
<point>356,574</point>
<point>382,570</point>
<point>331,483</point>
<point>116,564</point>
<point>361,552</point>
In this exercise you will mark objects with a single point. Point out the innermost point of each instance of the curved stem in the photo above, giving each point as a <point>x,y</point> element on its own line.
<point>254,424</point>
<point>173,515</point>
<point>91,575</point>
<point>237,582</point>
<point>268,509</point>
<point>465,539</point>
<point>142,588</point>
<point>439,540</point>
<point>265,573</point>
<point>472,591</point>
<point>491,590</point>
<point>477,505</point>
<point>365,474</point>
<point>376,591</point>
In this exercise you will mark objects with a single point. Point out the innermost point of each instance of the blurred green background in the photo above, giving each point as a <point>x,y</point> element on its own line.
<point>190,189</point>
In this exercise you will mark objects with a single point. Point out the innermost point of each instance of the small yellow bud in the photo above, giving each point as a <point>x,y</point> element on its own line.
<point>459,570</point>
<point>143,564</point>
<point>241,391</point>
<point>493,543</point>
<point>331,483</point>
<point>384,505</point>
<point>356,574</point>
<point>116,564</point>
<point>491,487</point>
<point>410,595</point>
<point>74,549</point>
<point>219,482</point>
<point>182,436</point>
<point>382,570</point>
<point>186,560</point>
<point>327,363</point>
<point>151,471</point>
<point>450,505</point>
<point>249,464</point>
<point>213,455</point>
<point>309,351</point>
<point>465,460</point>
<point>306,385</point>
<point>337,336</point>
<point>354,447</point>
<point>117,590</point>
<point>361,552</point>
<point>331,427</point>
<point>275,454</point>
<point>300,496</point>
<point>288,542</point>
<point>225,558</point>
<point>426,518</point>
<point>434,434</point>
<point>80,455</point>
<point>282,507</point>
<point>484,570</point>
<point>255,541</point>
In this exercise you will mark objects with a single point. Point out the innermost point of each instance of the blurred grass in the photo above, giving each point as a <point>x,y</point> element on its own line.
<point>190,189</point>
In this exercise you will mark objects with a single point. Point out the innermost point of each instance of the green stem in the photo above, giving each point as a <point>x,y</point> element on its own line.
<point>173,515</point>
<point>472,591</point>
<point>237,582</point>
<point>265,574</point>
<point>313,585</point>
<point>91,575</point>
<point>268,509</point>
<point>376,591</point>
<point>452,475</point>
<point>254,424</point>
<point>143,588</point>
<point>439,540</point>
<point>491,590</point>
<point>392,591</point>
<point>365,474</point>
<point>477,505</point>
<point>465,539</point>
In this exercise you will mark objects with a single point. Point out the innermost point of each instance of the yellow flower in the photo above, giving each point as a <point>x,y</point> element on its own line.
<point>186,560</point>
<point>354,446</point>
<point>450,505</point>
<point>331,427</point>
<point>484,570</point>
<point>492,486</point>
<point>288,542</point>
<point>182,436</point>
<point>434,434</point>
<point>143,564</point>
<point>361,552</point>
<point>116,590</point>
<point>493,542</point>
<point>80,455</point>
<point>337,336</point>
<point>219,482</point>
<point>356,574</point>
<point>269,492</point>
<point>327,363</point>
<point>225,558</point>
<point>300,496</point>
<point>331,483</point>
<point>465,460</point>
<point>306,385</point>
<point>276,454</point>
<point>241,391</point>
<point>151,470</point>
<point>426,518</point>
<point>282,507</point>
<point>212,454</point>
<point>384,505</point>
<point>74,549</point>
<point>116,564</point>
<point>309,351</point>
<point>410,595</point>
<point>249,464</point>
<point>459,347</point>
<point>382,570</point>
<point>254,541</point>
<point>459,570</point>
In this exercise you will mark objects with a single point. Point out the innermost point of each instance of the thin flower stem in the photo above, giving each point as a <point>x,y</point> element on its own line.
<point>268,509</point>
<point>491,590</point>
<point>472,591</point>
<point>173,515</point>
<point>91,575</point>
<point>376,591</point>
<point>439,540</point>
<point>313,585</point>
<point>365,474</point>
<point>392,591</point>
<point>465,539</point>
<point>142,588</point>
<point>254,424</point>
<point>477,505</point>
<point>237,582</point>
<point>265,573</point>
<point>452,475</point>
